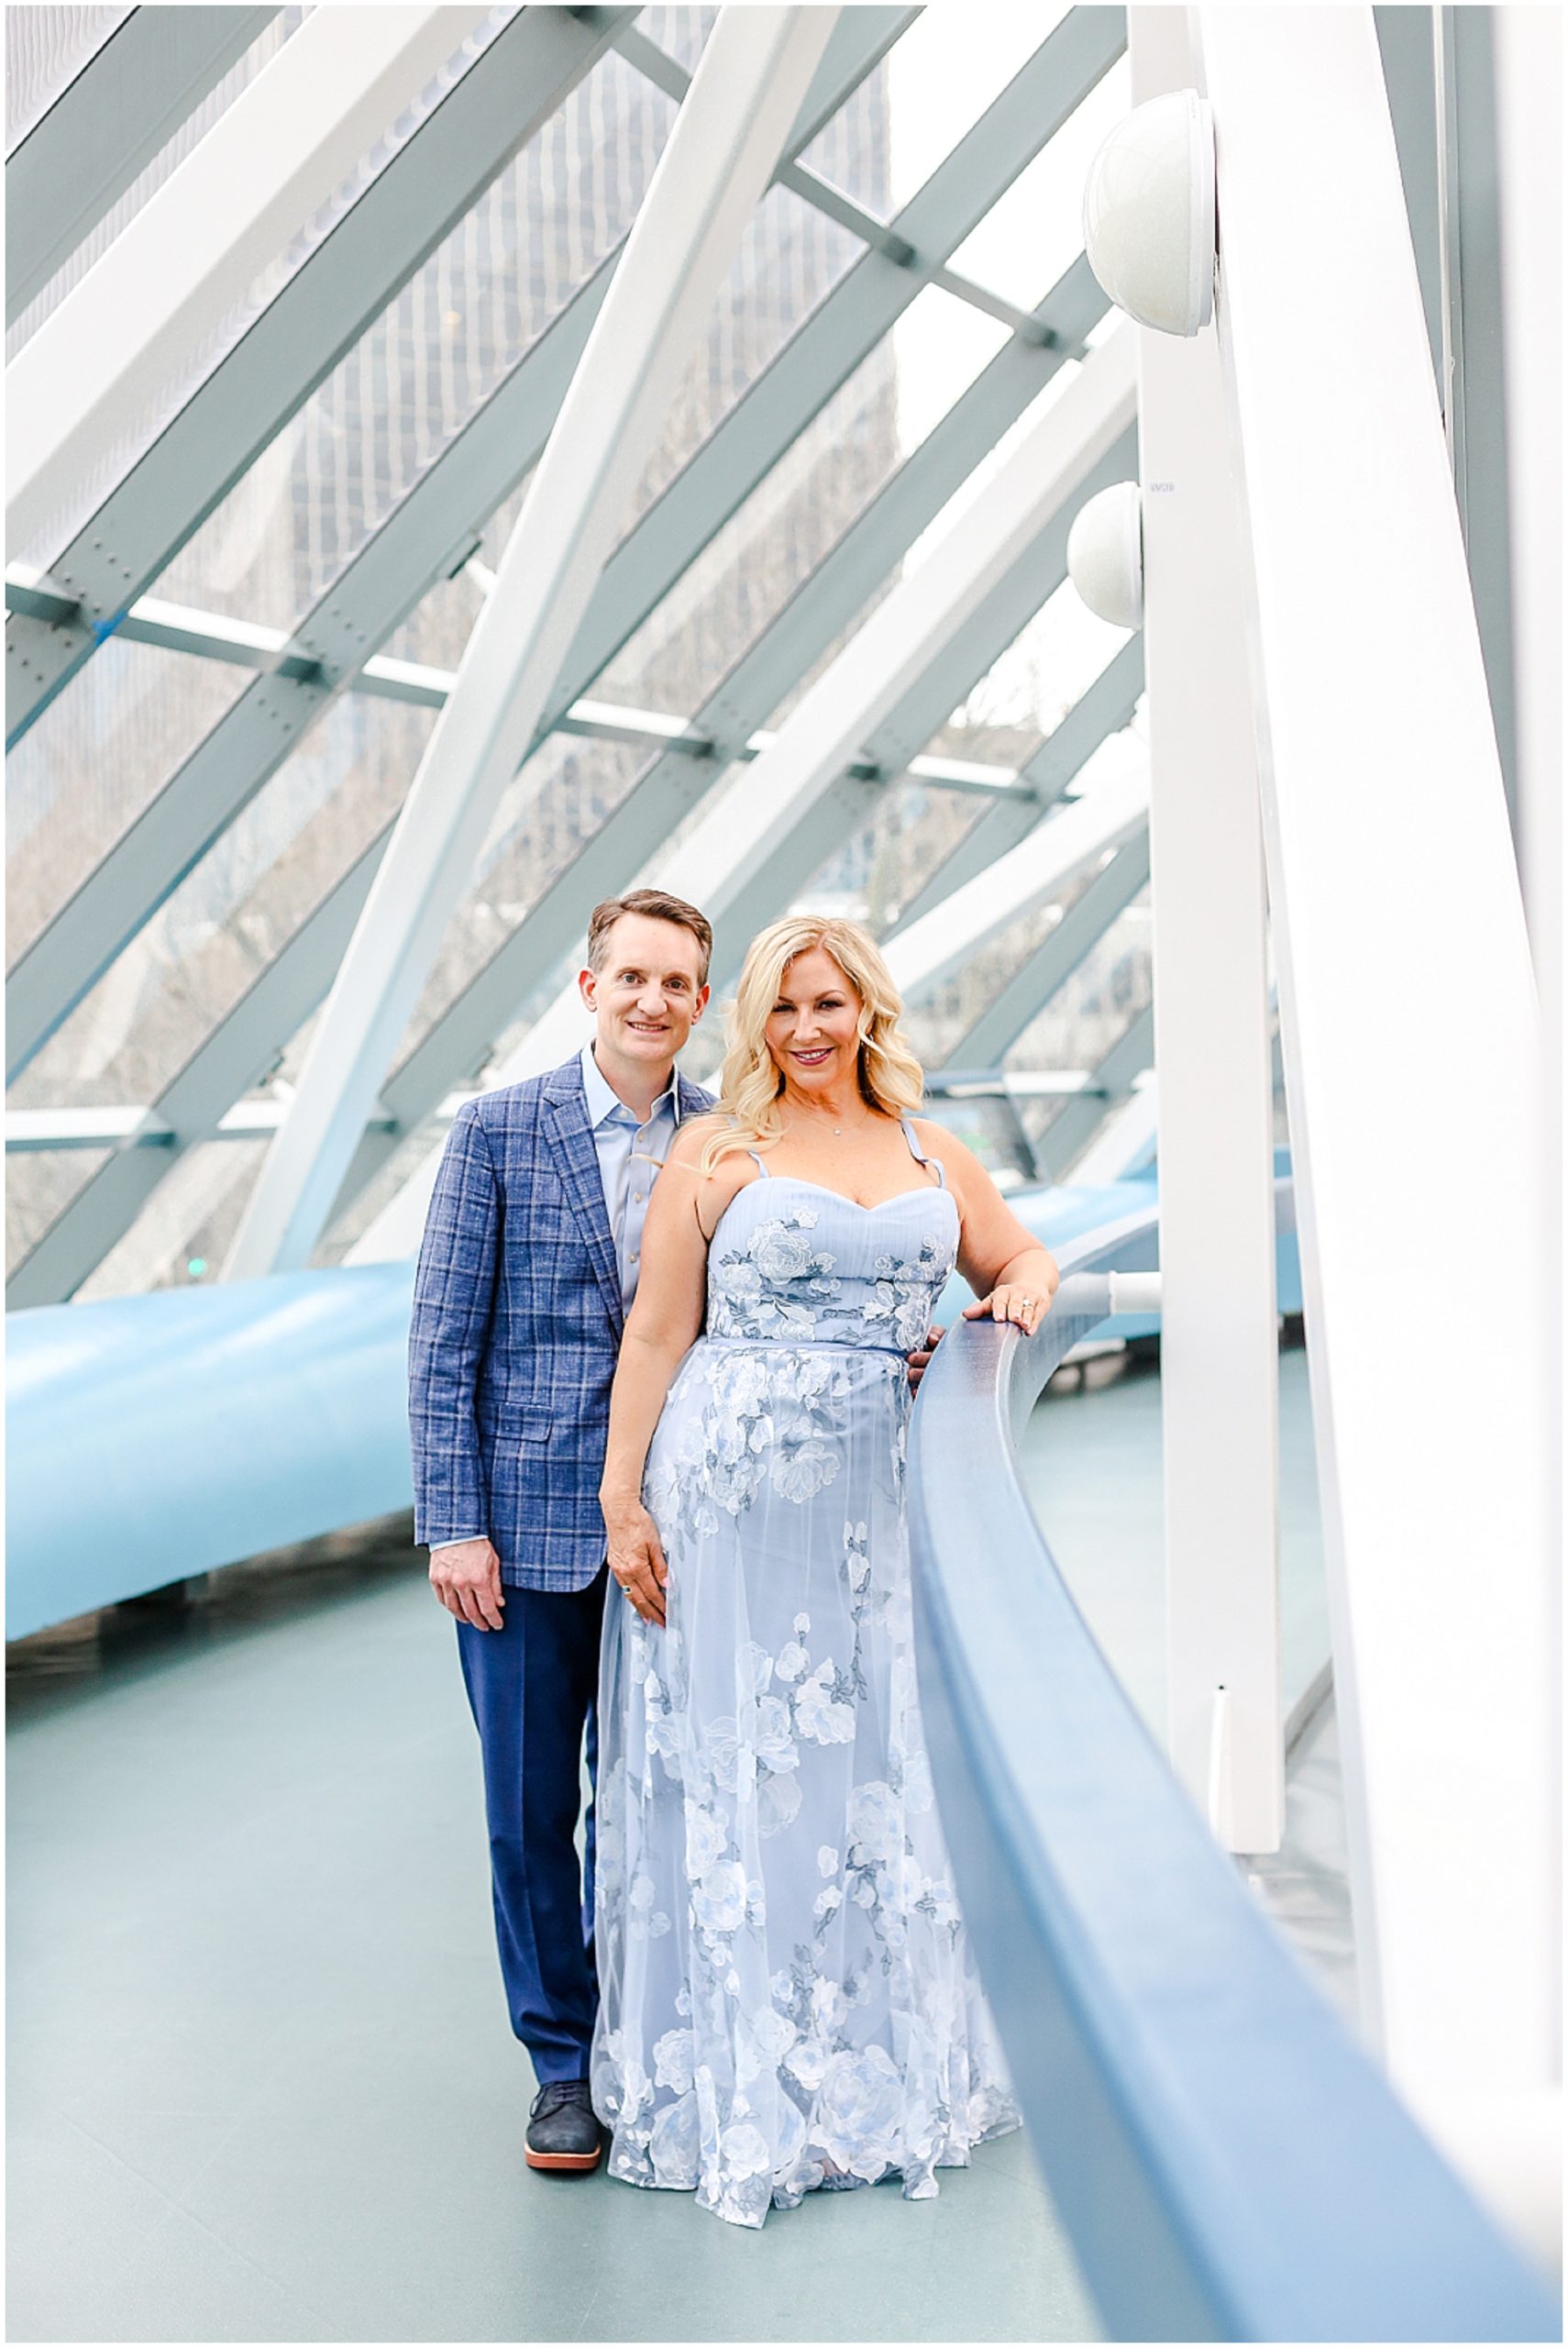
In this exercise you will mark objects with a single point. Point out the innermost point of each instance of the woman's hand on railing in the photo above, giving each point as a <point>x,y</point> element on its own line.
<point>1014,1301</point>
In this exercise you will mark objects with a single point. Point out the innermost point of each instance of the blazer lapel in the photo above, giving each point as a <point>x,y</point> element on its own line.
<point>577,1162</point>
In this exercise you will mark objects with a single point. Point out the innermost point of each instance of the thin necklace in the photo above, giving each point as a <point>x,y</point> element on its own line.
<point>838,1130</point>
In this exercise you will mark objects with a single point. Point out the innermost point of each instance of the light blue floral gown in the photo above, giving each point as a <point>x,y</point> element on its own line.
<point>788,1997</point>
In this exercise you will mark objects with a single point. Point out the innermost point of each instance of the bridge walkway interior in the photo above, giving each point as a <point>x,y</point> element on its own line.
<point>261,2083</point>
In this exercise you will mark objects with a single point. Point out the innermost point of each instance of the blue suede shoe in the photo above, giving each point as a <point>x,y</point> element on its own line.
<point>563,2132</point>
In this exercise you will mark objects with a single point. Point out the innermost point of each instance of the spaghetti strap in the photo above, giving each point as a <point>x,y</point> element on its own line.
<point>920,1154</point>
<point>756,1158</point>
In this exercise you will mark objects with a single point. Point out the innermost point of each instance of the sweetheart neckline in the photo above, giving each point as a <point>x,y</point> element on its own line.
<point>934,1189</point>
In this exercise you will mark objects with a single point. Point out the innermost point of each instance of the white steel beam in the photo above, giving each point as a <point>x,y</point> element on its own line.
<point>721,155</point>
<point>1029,875</point>
<point>269,651</point>
<point>934,627</point>
<point>1219,1340</point>
<point>1530,54</point>
<point>30,1130</point>
<point>271,161</point>
<point>1026,993</point>
<point>1368,673</point>
<point>1112,1080</point>
<point>371,248</point>
<point>528,68</point>
<point>1103,709</point>
<point>1127,1141</point>
<point>738,856</point>
<point>244,1044</point>
<point>106,125</point>
<point>800,632</point>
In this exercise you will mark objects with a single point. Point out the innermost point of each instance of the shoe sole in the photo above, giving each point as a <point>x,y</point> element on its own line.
<point>579,2162</point>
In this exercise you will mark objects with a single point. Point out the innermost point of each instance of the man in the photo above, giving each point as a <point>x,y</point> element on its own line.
<point>528,1266</point>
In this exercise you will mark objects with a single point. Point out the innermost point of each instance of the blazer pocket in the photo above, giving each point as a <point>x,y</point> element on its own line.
<point>524,1422</point>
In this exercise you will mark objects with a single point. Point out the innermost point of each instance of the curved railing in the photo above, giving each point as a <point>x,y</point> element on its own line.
<point>1229,2163</point>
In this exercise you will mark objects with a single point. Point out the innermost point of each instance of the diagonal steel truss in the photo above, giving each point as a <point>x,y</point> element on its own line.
<point>1111,1082</point>
<point>672,785</point>
<point>1053,962</point>
<point>108,123</point>
<point>721,156</point>
<point>336,293</point>
<point>179,267</point>
<point>910,664</point>
<point>422,541</point>
<point>233,1057</point>
<point>1103,709</point>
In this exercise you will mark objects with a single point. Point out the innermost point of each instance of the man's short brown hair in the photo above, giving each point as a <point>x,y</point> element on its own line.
<point>655,904</point>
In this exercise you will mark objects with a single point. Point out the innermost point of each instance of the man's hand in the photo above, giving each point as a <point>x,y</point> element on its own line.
<point>466,1578</point>
<point>920,1362</point>
<point>636,1562</point>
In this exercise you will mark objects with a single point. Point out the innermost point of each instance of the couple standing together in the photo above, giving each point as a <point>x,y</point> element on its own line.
<point>666,1352</point>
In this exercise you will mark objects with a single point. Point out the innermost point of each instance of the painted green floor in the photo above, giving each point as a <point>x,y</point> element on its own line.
<point>261,2085</point>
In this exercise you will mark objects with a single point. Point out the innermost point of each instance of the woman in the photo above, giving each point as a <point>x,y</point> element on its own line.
<point>787,2000</point>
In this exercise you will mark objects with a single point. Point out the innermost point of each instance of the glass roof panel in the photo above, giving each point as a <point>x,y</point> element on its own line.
<point>93,760</point>
<point>194,129</point>
<point>434,357</point>
<point>969,340</point>
<point>940,79</point>
<point>557,801</point>
<point>143,418</point>
<point>1084,1017</point>
<point>183,1232</point>
<point>247,898</point>
<point>45,51</point>
<point>1030,688</point>
<point>748,573</point>
<point>873,875</point>
<point>383,1187</point>
<point>39,1185</point>
<point>1035,230</point>
<point>790,258</point>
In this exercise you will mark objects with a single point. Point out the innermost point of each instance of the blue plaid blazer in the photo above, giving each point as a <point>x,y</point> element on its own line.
<point>517,1321</point>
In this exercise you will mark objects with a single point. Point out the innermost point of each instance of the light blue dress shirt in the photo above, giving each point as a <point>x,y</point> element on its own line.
<point>630,1156</point>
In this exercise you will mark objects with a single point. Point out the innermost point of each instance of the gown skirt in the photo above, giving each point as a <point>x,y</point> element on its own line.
<point>787,2000</point>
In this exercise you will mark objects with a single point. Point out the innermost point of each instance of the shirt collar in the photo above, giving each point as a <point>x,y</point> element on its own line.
<point>604,1101</point>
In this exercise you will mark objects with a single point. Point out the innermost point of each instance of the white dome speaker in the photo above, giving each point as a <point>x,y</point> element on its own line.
<point>1149,214</point>
<point>1105,554</point>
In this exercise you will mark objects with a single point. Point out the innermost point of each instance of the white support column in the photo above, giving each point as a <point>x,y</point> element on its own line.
<point>1219,1347</point>
<point>168,279</point>
<point>1530,56</point>
<point>727,138</point>
<point>1397,911</point>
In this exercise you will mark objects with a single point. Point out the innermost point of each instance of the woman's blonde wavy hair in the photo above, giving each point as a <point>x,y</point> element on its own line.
<point>750,1083</point>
